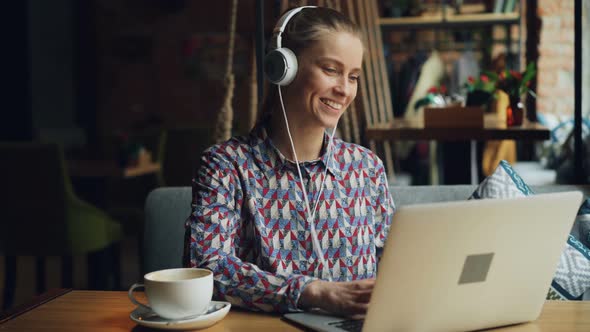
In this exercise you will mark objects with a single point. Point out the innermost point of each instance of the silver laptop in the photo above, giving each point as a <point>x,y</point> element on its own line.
<point>465,265</point>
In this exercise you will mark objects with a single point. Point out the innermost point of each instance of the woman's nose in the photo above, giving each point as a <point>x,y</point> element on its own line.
<point>342,87</point>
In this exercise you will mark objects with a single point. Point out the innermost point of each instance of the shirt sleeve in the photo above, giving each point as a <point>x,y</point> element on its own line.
<point>385,208</point>
<point>214,243</point>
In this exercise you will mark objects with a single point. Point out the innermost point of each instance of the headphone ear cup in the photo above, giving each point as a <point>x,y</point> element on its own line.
<point>280,66</point>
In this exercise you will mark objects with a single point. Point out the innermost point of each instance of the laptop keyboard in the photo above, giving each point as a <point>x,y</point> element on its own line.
<point>352,325</point>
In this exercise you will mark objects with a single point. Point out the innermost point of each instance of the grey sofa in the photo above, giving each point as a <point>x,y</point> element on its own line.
<point>168,208</point>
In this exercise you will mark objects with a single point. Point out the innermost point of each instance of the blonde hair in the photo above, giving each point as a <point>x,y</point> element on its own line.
<point>308,26</point>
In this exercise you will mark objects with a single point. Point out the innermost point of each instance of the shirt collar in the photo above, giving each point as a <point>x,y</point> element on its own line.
<point>271,159</point>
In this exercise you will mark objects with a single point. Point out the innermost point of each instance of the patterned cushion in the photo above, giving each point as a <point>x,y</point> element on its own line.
<point>572,278</point>
<point>583,223</point>
<point>503,183</point>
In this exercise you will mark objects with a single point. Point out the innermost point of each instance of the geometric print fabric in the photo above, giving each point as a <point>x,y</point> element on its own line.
<point>503,183</point>
<point>583,222</point>
<point>248,222</point>
<point>572,277</point>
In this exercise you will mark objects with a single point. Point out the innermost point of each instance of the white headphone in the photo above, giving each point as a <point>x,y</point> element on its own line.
<point>280,64</point>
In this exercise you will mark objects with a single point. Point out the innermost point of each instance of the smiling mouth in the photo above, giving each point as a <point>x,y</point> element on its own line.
<point>332,104</point>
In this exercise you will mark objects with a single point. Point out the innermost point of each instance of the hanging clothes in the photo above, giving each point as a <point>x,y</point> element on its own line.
<point>431,74</point>
<point>402,83</point>
<point>495,151</point>
<point>467,65</point>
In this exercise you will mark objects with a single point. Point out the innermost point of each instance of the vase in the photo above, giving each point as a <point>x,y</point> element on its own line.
<point>478,98</point>
<point>514,112</point>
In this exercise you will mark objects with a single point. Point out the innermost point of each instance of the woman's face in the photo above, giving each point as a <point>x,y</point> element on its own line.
<point>327,80</point>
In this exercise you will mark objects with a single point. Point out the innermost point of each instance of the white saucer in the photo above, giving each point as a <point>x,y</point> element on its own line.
<point>216,311</point>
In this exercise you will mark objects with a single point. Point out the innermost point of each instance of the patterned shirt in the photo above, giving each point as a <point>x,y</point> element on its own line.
<point>248,222</point>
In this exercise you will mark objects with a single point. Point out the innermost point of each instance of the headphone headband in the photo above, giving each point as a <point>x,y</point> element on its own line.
<point>280,64</point>
<point>282,24</point>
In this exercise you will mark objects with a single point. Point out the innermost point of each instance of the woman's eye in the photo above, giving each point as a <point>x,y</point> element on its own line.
<point>330,70</point>
<point>355,78</point>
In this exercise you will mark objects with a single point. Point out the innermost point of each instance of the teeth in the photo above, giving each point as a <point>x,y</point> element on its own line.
<point>332,104</point>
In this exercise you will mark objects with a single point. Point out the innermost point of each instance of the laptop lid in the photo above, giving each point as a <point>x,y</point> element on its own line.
<point>469,265</point>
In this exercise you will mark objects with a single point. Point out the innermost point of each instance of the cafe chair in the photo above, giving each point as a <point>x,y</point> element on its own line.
<point>166,210</point>
<point>178,152</point>
<point>42,216</point>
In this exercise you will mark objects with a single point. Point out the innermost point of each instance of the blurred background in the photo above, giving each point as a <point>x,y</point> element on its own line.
<point>109,99</point>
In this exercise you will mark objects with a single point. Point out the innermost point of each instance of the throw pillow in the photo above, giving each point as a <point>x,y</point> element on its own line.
<point>503,183</point>
<point>583,223</point>
<point>572,278</point>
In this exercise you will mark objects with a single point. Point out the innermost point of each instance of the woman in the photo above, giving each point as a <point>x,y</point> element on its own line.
<point>257,213</point>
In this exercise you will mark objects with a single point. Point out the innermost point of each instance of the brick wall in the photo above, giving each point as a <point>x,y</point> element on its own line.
<point>555,89</point>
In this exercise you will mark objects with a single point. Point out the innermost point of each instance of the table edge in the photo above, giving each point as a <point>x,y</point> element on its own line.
<point>33,303</point>
<point>457,134</point>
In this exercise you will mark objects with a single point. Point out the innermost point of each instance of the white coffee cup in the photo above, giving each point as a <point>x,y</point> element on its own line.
<point>176,293</point>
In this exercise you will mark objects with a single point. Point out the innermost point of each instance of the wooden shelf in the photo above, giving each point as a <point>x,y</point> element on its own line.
<point>438,21</point>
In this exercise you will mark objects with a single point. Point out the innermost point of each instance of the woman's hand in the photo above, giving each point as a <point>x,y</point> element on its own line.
<point>343,298</point>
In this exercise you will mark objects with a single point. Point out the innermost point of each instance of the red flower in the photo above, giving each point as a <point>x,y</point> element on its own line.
<point>484,78</point>
<point>443,89</point>
<point>516,74</point>
<point>433,90</point>
<point>470,79</point>
<point>516,83</point>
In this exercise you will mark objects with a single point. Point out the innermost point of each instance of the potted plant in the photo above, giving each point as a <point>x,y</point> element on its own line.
<point>516,85</point>
<point>480,90</point>
<point>436,96</point>
<point>442,111</point>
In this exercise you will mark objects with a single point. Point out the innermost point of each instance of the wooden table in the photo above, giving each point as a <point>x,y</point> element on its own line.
<point>493,129</point>
<point>90,311</point>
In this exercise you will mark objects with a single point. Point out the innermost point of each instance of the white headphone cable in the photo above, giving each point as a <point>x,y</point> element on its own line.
<point>311,213</point>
